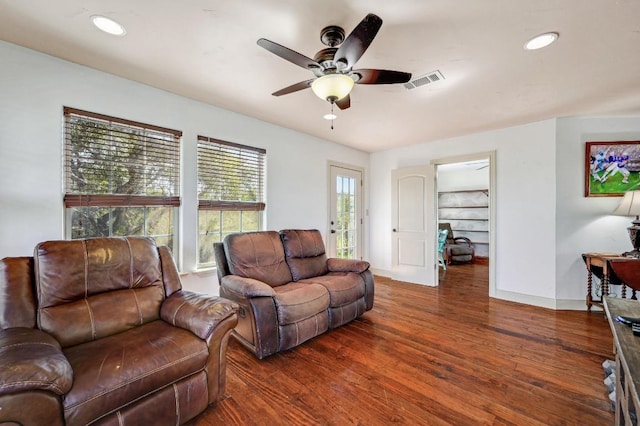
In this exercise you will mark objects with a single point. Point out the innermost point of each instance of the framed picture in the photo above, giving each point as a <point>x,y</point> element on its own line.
<point>611,168</point>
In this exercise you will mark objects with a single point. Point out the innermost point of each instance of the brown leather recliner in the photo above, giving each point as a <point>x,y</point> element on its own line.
<point>287,289</point>
<point>100,332</point>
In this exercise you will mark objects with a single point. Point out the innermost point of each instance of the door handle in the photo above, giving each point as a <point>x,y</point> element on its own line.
<point>394,230</point>
<point>333,231</point>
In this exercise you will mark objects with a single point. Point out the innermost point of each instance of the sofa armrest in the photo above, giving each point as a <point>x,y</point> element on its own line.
<point>347,265</point>
<point>31,359</point>
<point>463,240</point>
<point>198,313</point>
<point>246,287</point>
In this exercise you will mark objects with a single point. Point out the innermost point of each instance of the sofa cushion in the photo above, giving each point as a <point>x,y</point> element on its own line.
<point>111,372</point>
<point>343,287</point>
<point>295,301</point>
<point>257,255</point>
<point>88,289</point>
<point>305,252</point>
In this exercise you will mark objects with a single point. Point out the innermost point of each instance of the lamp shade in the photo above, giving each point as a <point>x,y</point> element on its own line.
<point>630,204</point>
<point>332,87</point>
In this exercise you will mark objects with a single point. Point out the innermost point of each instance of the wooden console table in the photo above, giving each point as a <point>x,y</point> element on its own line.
<point>599,264</point>
<point>627,349</point>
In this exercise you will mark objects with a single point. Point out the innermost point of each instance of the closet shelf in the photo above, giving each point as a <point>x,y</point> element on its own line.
<point>459,207</point>
<point>462,218</point>
<point>463,207</point>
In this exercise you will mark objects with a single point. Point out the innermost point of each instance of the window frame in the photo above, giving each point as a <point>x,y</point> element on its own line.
<point>228,151</point>
<point>164,145</point>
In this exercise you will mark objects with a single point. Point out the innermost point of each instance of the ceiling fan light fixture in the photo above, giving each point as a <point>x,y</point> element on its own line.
<point>541,41</point>
<point>332,87</point>
<point>108,25</point>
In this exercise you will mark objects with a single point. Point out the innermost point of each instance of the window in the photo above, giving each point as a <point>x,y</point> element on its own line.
<point>120,177</point>
<point>230,192</point>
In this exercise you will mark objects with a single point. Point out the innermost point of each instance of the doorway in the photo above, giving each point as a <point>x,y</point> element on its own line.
<point>344,239</point>
<point>465,198</point>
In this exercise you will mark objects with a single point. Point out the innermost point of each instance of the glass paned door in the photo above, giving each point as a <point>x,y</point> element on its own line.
<point>345,225</point>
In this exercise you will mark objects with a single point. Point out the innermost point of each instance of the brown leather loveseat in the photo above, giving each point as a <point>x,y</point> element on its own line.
<point>287,289</point>
<point>99,331</point>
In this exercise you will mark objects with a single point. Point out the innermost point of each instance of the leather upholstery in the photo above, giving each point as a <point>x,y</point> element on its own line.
<point>17,299</point>
<point>282,311</point>
<point>257,255</point>
<point>101,332</point>
<point>305,253</point>
<point>344,287</point>
<point>27,349</point>
<point>168,353</point>
<point>347,265</point>
<point>31,408</point>
<point>97,276</point>
<point>297,301</point>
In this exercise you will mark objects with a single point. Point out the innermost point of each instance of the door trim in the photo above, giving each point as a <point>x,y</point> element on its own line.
<point>491,155</point>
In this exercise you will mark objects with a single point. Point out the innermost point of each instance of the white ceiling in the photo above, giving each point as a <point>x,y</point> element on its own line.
<point>206,50</point>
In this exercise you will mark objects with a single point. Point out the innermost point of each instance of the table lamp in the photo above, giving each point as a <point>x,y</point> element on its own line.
<point>630,206</point>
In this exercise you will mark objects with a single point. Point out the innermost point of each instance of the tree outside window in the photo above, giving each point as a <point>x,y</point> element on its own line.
<point>230,192</point>
<point>121,178</point>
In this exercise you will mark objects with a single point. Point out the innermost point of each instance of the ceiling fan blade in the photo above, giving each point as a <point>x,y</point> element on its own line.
<point>357,42</point>
<point>344,103</point>
<point>371,76</point>
<point>288,54</point>
<point>294,88</point>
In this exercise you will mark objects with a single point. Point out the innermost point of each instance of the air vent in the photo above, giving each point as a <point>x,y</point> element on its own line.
<point>430,77</point>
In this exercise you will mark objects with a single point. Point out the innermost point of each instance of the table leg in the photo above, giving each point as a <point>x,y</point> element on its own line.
<point>624,291</point>
<point>589,286</point>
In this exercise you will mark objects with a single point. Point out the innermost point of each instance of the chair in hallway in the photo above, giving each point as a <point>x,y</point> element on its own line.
<point>457,249</point>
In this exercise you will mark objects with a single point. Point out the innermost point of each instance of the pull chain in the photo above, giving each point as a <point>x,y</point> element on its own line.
<point>332,115</point>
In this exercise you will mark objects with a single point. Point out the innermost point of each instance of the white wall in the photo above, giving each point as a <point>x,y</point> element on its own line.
<point>585,224</point>
<point>525,204</point>
<point>462,180</point>
<point>543,221</point>
<point>35,87</point>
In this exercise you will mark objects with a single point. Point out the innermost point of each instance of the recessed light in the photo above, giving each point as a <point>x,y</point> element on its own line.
<point>108,25</point>
<point>540,41</point>
<point>329,116</point>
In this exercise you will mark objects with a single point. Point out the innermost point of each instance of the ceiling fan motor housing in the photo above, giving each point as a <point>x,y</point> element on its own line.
<point>332,35</point>
<point>325,58</point>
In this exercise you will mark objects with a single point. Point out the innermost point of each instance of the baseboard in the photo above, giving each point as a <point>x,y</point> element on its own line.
<point>527,299</point>
<point>381,272</point>
<point>575,305</point>
<point>544,302</point>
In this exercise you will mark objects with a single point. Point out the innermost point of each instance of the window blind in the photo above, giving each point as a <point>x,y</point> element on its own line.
<point>115,162</point>
<point>230,176</point>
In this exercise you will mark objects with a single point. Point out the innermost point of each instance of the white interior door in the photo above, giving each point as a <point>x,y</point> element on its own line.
<point>412,234</point>
<point>345,213</point>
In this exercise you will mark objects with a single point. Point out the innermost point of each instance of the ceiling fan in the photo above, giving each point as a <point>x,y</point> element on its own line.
<point>333,66</point>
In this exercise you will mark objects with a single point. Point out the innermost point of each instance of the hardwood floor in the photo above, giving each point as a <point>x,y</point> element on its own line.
<point>430,356</point>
